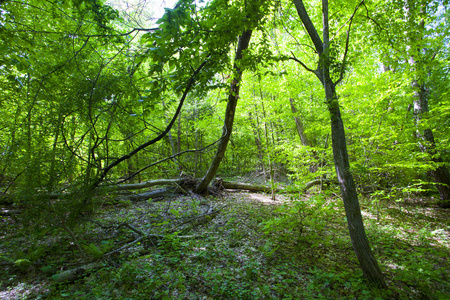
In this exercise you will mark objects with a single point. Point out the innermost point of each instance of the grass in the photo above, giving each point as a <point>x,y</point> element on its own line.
<point>254,248</point>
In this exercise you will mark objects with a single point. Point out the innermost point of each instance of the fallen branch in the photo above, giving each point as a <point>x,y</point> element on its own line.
<point>126,246</point>
<point>247,186</point>
<point>163,192</point>
<point>202,219</point>
<point>73,274</point>
<point>312,183</point>
<point>218,183</point>
<point>146,184</point>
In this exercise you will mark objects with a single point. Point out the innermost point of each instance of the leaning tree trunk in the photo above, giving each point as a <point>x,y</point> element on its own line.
<point>244,41</point>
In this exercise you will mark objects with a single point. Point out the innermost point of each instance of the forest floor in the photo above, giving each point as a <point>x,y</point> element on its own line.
<point>296,247</point>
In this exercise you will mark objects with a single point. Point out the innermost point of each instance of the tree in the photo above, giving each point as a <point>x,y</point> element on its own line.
<point>420,57</point>
<point>413,60</point>
<point>233,96</point>
<point>358,236</point>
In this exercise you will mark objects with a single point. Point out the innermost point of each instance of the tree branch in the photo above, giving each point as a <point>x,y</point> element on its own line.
<point>341,75</point>
<point>168,158</point>
<point>312,32</point>
<point>301,63</point>
<point>160,136</point>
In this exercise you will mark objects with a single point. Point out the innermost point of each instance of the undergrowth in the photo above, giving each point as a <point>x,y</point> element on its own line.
<point>290,249</point>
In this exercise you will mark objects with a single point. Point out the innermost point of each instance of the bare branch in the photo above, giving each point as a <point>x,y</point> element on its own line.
<point>160,136</point>
<point>302,64</point>
<point>341,75</point>
<point>166,159</point>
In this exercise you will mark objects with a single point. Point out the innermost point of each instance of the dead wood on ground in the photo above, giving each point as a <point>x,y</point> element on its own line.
<point>186,185</point>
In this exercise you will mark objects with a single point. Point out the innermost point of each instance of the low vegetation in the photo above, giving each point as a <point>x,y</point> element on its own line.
<point>296,247</point>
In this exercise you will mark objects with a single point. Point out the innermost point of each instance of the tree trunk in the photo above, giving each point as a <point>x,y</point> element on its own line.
<point>169,135</point>
<point>427,144</point>
<point>441,174</point>
<point>233,97</point>
<point>257,135</point>
<point>366,259</point>
<point>269,151</point>
<point>196,143</point>
<point>299,124</point>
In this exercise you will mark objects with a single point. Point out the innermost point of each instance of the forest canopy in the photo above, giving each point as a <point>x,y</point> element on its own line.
<point>82,86</point>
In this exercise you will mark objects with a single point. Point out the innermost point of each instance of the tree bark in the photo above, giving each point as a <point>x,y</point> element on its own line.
<point>244,41</point>
<point>367,261</point>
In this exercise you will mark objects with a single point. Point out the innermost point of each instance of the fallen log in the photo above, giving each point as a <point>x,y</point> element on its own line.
<point>314,182</point>
<point>162,192</point>
<point>267,189</point>
<point>247,186</point>
<point>73,274</point>
<point>146,184</point>
<point>224,184</point>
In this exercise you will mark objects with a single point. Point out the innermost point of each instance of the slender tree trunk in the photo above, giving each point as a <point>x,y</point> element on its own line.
<point>71,164</point>
<point>169,135</point>
<point>299,125</point>
<point>179,134</point>
<point>367,261</point>
<point>304,139</point>
<point>365,256</point>
<point>268,150</point>
<point>52,173</point>
<point>196,143</point>
<point>257,134</point>
<point>233,97</point>
<point>440,175</point>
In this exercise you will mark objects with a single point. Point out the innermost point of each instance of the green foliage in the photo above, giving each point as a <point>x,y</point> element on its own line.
<point>98,251</point>
<point>300,220</point>
<point>79,89</point>
<point>22,264</point>
<point>322,286</point>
